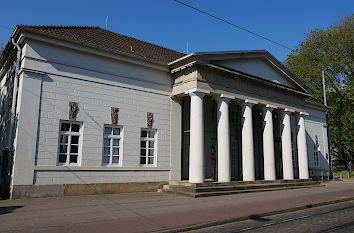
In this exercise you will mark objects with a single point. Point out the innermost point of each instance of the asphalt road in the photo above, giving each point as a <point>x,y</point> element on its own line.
<point>331,218</point>
<point>148,212</point>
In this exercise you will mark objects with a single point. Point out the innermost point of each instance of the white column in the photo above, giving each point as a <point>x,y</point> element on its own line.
<point>302,147</point>
<point>248,166</point>
<point>288,170</point>
<point>224,160</point>
<point>268,143</point>
<point>196,149</point>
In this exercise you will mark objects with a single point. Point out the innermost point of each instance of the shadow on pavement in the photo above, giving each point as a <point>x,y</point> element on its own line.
<point>8,209</point>
<point>259,218</point>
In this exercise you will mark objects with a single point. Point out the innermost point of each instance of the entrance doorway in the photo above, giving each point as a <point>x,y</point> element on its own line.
<point>258,142</point>
<point>235,141</point>
<point>185,138</point>
<point>277,145</point>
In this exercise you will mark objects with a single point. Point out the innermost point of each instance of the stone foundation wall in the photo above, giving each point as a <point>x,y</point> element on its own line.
<point>60,190</point>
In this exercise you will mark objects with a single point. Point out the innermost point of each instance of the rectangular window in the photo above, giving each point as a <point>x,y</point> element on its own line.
<point>112,145</point>
<point>315,158</point>
<point>69,143</point>
<point>316,151</point>
<point>148,147</point>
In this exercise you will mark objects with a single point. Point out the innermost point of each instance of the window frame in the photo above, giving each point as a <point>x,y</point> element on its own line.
<point>147,148</point>
<point>316,160</point>
<point>316,153</point>
<point>111,146</point>
<point>69,144</point>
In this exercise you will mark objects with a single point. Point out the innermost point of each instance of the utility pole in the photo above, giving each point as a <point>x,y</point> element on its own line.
<point>324,88</point>
<point>107,22</point>
<point>328,140</point>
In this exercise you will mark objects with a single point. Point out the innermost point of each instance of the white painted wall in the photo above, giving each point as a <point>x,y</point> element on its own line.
<point>27,111</point>
<point>315,124</point>
<point>96,84</point>
<point>256,67</point>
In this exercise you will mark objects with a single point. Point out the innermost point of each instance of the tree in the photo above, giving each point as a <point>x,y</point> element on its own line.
<point>331,50</point>
<point>2,47</point>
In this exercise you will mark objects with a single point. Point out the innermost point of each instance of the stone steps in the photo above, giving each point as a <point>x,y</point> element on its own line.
<point>211,183</point>
<point>217,189</point>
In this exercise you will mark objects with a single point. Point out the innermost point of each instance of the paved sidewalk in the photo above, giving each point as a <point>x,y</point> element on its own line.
<point>146,212</point>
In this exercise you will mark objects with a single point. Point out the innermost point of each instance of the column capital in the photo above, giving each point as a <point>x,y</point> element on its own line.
<point>250,102</point>
<point>288,110</point>
<point>301,114</point>
<point>226,97</point>
<point>197,91</point>
<point>304,114</point>
<point>269,107</point>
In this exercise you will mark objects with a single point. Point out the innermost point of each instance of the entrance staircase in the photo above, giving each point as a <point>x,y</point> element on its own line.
<point>236,187</point>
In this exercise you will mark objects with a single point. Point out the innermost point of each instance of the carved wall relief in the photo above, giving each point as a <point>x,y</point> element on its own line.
<point>114,115</point>
<point>149,120</point>
<point>72,111</point>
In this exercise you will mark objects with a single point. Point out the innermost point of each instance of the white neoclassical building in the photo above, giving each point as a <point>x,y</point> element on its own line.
<point>86,110</point>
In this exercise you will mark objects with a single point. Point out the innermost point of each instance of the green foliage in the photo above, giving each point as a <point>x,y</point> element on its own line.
<point>331,50</point>
<point>341,169</point>
<point>2,47</point>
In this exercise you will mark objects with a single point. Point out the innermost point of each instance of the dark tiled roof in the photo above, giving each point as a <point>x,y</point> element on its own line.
<point>98,37</point>
<point>315,103</point>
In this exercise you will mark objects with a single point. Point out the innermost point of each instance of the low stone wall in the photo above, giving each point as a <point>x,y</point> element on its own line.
<point>29,191</point>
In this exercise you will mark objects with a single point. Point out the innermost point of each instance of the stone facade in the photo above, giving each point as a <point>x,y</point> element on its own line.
<point>64,82</point>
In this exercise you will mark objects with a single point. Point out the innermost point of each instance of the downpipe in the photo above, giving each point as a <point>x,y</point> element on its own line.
<point>14,95</point>
<point>10,143</point>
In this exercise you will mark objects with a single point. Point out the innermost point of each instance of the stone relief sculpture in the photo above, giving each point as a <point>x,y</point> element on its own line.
<point>72,110</point>
<point>114,115</point>
<point>149,120</point>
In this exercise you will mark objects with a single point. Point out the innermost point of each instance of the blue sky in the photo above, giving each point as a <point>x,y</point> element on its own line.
<point>169,24</point>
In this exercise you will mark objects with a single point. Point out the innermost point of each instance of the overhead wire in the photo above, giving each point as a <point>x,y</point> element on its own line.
<point>4,27</point>
<point>234,25</point>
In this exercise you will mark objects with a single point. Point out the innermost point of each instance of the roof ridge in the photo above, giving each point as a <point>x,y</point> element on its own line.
<point>139,40</point>
<point>94,27</point>
<point>58,26</point>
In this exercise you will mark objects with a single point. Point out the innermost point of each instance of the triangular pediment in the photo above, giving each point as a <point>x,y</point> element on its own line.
<point>256,67</point>
<point>260,64</point>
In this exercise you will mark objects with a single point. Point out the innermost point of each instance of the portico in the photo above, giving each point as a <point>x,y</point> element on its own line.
<point>246,119</point>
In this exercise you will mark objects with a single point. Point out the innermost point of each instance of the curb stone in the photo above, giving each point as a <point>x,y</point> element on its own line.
<point>243,218</point>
